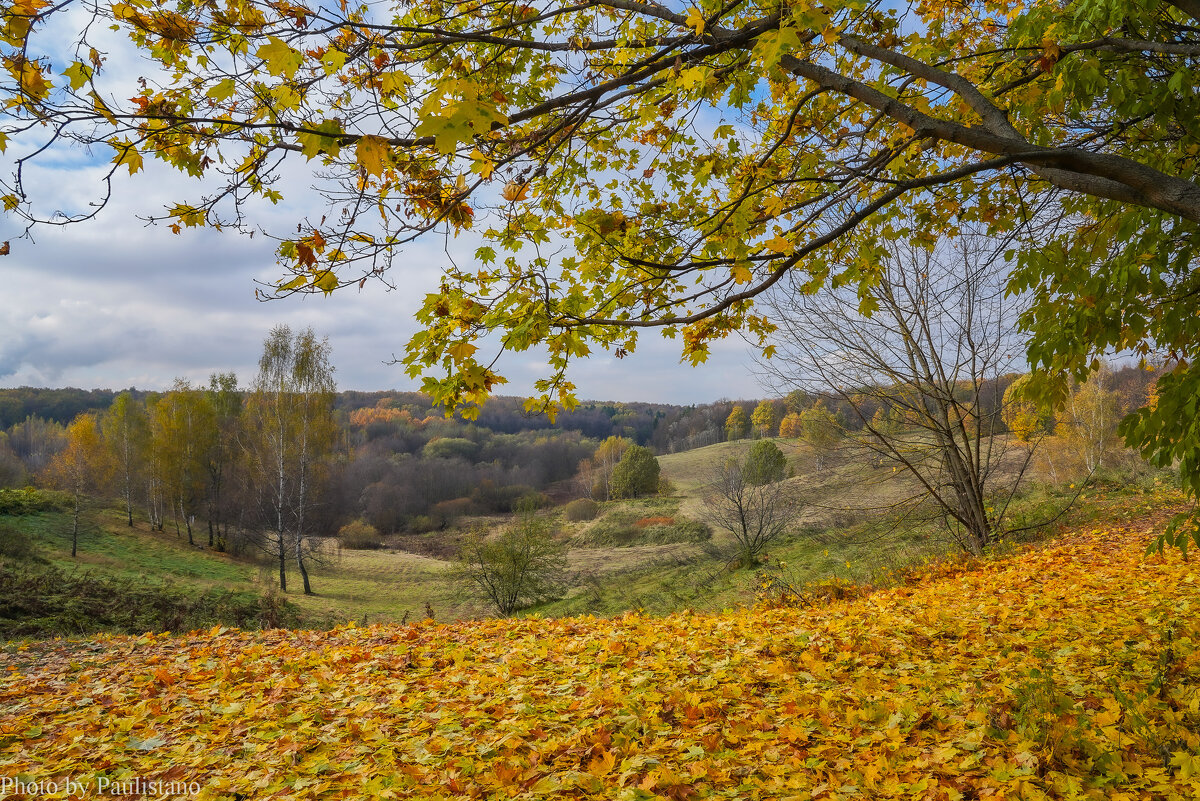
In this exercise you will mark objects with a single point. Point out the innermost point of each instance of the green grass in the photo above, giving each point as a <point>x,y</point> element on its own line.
<point>614,565</point>
<point>379,584</point>
<point>382,585</point>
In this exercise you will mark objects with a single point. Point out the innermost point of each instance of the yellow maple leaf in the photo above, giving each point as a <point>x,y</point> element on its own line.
<point>515,192</point>
<point>780,245</point>
<point>461,351</point>
<point>695,20</point>
<point>372,154</point>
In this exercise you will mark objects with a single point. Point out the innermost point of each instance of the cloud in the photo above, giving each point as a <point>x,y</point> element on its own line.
<point>116,303</point>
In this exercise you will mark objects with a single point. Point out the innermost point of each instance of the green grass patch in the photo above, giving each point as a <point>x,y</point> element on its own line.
<point>42,601</point>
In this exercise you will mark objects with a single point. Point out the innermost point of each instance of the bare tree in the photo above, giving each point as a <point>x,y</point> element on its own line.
<point>756,514</point>
<point>920,357</point>
<point>524,564</point>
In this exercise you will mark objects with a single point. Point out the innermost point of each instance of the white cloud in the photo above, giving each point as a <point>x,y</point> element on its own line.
<point>113,303</point>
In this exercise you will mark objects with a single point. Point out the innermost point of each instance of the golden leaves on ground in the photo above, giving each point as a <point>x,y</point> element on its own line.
<point>1068,671</point>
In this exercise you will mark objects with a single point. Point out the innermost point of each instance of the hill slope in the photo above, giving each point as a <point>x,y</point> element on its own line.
<point>1065,671</point>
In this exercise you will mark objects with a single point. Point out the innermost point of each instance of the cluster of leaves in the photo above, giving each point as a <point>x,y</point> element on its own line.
<point>1064,672</point>
<point>41,601</point>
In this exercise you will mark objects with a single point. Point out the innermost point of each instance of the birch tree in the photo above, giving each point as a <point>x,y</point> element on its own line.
<point>290,431</point>
<point>126,430</point>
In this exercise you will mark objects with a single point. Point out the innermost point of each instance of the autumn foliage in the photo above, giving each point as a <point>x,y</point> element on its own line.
<point>1068,671</point>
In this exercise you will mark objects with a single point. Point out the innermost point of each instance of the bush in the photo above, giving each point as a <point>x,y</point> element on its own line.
<point>450,511</point>
<point>623,528</point>
<point>520,567</point>
<point>765,464</point>
<point>30,501</point>
<point>581,509</point>
<point>16,544</point>
<point>491,498</point>
<point>359,535</point>
<point>45,602</point>
<point>530,501</point>
<point>421,524</point>
<point>636,474</point>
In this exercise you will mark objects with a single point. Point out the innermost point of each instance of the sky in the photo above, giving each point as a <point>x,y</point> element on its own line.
<point>114,303</point>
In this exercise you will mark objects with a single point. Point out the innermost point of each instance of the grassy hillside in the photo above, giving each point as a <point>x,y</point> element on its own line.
<point>1069,671</point>
<point>653,555</point>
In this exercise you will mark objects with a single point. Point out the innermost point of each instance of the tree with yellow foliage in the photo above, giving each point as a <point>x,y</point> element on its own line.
<point>82,468</point>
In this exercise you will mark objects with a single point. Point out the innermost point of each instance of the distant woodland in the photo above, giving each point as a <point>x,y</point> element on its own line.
<point>194,459</point>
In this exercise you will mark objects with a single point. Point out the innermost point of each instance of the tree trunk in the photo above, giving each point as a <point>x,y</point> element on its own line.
<point>300,564</point>
<point>187,522</point>
<point>75,526</point>
<point>282,563</point>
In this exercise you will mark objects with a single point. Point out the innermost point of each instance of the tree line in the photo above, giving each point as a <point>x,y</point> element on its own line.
<point>248,464</point>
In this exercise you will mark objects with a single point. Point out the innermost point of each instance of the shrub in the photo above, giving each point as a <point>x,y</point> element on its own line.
<point>45,601</point>
<point>16,544</point>
<point>765,464</point>
<point>581,509</point>
<point>621,529</point>
<point>450,511</point>
<point>520,567</point>
<point>359,535</point>
<point>492,498</point>
<point>30,501</point>
<point>636,474</point>
<point>530,501</point>
<point>420,524</point>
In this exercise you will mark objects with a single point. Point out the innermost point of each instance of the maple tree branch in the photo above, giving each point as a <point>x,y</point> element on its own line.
<point>782,269</point>
<point>1189,7</point>
<point>1112,44</point>
<point>1099,174</point>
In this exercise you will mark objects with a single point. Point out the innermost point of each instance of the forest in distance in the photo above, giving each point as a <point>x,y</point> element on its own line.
<point>183,459</point>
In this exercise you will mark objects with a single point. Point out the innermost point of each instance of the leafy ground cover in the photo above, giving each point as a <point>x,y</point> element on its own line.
<point>1065,671</point>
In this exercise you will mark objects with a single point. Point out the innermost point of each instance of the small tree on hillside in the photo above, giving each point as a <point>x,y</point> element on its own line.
<point>755,514</point>
<point>636,474</point>
<point>929,342</point>
<point>765,464</point>
<point>521,566</point>
<point>597,472</point>
<point>791,426</point>
<point>820,430</point>
<point>763,419</point>
<point>737,425</point>
<point>81,468</point>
